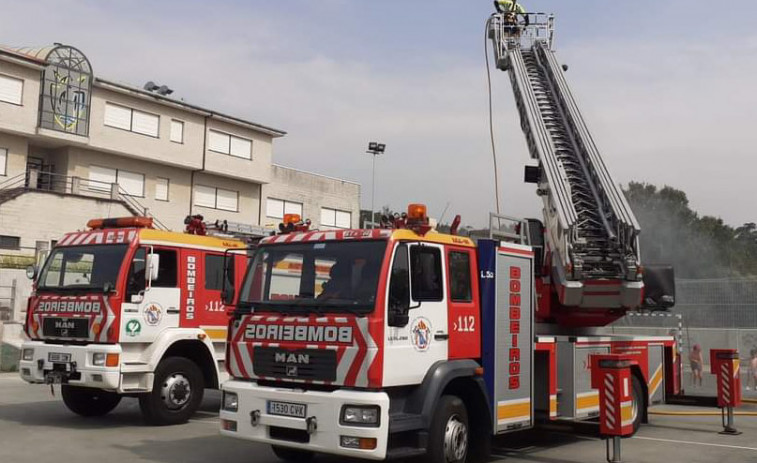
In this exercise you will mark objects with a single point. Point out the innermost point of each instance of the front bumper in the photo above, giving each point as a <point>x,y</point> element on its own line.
<point>323,407</point>
<point>79,371</point>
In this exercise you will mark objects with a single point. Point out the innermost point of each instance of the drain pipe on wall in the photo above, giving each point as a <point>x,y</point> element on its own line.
<point>204,153</point>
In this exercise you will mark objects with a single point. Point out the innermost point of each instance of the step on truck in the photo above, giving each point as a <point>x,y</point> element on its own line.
<point>123,309</point>
<point>402,341</point>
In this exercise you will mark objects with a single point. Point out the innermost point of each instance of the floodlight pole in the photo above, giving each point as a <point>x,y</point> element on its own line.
<point>374,149</point>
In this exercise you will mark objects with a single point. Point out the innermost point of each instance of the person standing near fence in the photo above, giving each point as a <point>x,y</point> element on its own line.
<point>697,364</point>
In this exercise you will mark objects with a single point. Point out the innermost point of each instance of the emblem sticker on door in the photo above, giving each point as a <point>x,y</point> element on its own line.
<point>420,334</point>
<point>133,328</point>
<point>153,313</point>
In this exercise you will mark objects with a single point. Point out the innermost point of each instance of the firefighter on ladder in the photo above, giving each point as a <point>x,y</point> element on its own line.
<point>511,9</point>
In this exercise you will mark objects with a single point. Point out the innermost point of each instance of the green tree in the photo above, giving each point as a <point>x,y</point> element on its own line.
<point>698,247</point>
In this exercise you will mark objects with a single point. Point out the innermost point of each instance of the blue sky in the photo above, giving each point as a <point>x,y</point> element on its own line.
<point>667,87</point>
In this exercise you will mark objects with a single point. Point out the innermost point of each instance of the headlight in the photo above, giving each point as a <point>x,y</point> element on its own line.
<point>28,354</point>
<point>98,359</point>
<point>360,415</point>
<point>230,401</point>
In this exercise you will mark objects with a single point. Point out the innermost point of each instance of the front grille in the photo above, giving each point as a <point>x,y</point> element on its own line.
<point>58,327</point>
<point>287,434</point>
<point>312,364</point>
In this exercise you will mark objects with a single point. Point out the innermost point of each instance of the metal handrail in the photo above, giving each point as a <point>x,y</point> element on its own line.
<point>519,226</point>
<point>60,183</point>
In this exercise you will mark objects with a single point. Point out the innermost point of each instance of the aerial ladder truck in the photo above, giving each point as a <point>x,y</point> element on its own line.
<point>404,341</point>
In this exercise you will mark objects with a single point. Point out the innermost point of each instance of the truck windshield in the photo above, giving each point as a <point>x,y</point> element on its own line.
<point>332,276</point>
<point>82,267</point>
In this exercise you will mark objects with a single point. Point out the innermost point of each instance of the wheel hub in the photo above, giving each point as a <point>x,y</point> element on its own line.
<point>455,439</point>
<point>176,391</point>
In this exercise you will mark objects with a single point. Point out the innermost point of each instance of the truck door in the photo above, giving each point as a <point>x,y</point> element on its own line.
<point>150,306</point>
<point>410,350</point>
<point>210,312</point>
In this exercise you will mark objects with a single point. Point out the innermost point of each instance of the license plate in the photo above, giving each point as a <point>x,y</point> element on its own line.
<point>287,409</point>
<point>57,357</point>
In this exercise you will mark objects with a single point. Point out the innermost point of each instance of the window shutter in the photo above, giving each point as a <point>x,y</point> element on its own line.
<point>177,131</point>
<point>145,123</point>
<point>293,208</point>
<point>131,182</point>
<point>343,219</point>
<point>241,148</point>
<point>205,196</point>
<point>100,178</point>
<point>328,217</point>
<point>218,142</point>
<point>3,161</point>
<point>11,89</point>
<point>161,189</point>
<point>274,208</point>
<point>117,116</point>
<point>227,200</point>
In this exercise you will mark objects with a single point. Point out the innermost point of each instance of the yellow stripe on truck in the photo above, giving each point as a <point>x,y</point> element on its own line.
<point>587,401</point>
<point>515,410</point>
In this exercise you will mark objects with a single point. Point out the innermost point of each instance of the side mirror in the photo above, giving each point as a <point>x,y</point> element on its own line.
<point>228,295</point>
<point>152,263</point>
<point>398,319</point>
<point>31,272</point>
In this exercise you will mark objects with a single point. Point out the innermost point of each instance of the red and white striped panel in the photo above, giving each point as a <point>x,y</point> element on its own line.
<point>104,318</point>
<point>124,236</point>
<point>329,235</point>
<point>354,359</point>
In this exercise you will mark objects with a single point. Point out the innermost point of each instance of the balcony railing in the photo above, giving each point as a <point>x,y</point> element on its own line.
<point>36,180</point>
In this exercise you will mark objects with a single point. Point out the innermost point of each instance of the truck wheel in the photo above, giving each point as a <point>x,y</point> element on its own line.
<point>176,393</point>
<point>448,437</point>
<point>87,401</point>
<point>637,403</point>
<point>287,454</point>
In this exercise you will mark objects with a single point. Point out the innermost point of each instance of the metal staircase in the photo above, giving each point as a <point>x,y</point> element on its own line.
<point>66,185</point>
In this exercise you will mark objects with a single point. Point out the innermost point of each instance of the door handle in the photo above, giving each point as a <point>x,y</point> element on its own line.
<point>172,310</point>
<point>441,337</point>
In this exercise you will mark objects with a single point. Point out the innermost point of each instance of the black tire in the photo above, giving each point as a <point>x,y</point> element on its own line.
<point>87,401</point>
<point>176,393</point>
<point>289,454</point>
<point>639,403</point>
<point>449,434</point>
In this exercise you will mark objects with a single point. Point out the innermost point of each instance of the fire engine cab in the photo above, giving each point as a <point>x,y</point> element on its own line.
<point>403,341</point>
<point>124,309</point>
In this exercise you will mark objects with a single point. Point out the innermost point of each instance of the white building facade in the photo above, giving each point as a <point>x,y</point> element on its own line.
<point>74,146</point>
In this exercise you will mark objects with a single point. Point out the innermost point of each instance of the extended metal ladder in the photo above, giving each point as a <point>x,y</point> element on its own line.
<point>591,229</point>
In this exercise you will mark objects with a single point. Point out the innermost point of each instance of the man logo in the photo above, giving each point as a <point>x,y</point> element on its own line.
<point>289,358</point>
<point>292,370</point>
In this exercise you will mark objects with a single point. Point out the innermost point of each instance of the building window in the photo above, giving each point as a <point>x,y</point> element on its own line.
<point>335,218</point>
<point>11,89</point>
<point>177,131</point>
<point>161,189</point>
<point>229,144</point>
<point>131,183</point>
<point>276,208</point>
<point>3,161</point>
<point>216,198</point>
<point>133,120</point>
<point>10,242</point>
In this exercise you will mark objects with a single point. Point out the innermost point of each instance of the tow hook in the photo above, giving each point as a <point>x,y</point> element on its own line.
<point>312,424</point>
<point>255,418</point>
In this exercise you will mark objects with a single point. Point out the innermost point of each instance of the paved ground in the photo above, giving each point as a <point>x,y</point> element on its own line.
<point>35,427</point>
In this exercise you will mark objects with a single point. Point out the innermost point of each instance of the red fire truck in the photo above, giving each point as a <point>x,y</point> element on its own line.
<point>420,342</point>
<point>124,309</point>
<point>416,342</point>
